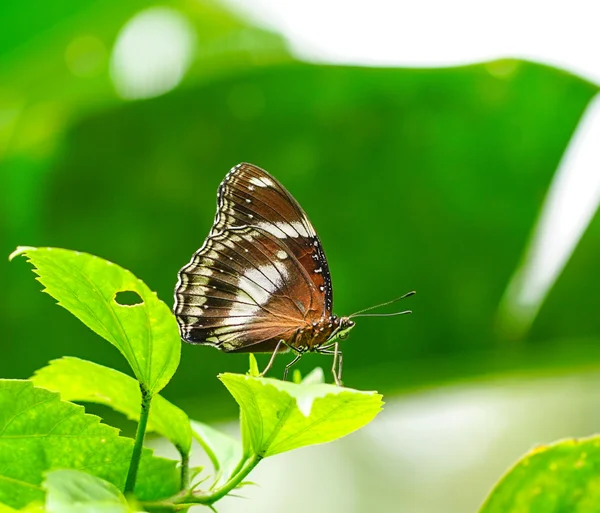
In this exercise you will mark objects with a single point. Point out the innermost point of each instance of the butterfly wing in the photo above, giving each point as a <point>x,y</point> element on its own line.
<point>261,275</point>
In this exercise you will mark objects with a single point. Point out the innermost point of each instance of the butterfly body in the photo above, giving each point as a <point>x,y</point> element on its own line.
<point>260,282</point>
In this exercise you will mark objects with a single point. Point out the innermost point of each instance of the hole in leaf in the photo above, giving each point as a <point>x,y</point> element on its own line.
<point>128,298</point>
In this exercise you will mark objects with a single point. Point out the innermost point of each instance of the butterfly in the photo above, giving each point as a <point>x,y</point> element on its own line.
<point>261,282</point>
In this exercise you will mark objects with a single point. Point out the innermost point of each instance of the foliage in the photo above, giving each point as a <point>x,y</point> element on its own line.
<point>80,380</point>
<point>431,176</point>
<point>279,416</point>
<point>51,451</point>
<point>551,479</point>
<point>145,333</point>
<point>39,432</point>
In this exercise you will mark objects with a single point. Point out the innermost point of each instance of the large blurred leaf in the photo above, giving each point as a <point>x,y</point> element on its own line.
<point>39,432</point>
<point>55,70</point>
<point>80,380</point>
<point>415,179</point>
<point>551,479</point>
<point>145,332</point>
<point>43,48</point>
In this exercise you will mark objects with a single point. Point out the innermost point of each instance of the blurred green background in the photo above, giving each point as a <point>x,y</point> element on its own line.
<point>425,179</point>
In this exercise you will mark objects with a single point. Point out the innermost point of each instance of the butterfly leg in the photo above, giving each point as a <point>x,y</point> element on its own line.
<point>338,361</point>
<point>287,367</point>
<point>270,364</point>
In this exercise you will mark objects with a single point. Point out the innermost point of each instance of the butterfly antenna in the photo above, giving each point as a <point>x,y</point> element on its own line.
<point>360,313</point>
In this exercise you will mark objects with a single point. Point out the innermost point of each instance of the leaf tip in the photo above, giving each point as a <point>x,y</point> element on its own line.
<point>20,251</point>
<point>253,371</point>
<point>297,377</point>
<point>314,376</point>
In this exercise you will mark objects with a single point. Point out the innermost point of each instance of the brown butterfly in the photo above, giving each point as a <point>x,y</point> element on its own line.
<point>261,283</point>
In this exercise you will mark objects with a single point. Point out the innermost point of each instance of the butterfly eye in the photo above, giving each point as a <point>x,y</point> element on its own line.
<point>343,335</point>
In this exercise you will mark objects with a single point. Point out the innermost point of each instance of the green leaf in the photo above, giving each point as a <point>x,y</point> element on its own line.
<point>81,380</point>
<point>224,451</point>
<point>551,479</point>
<point>72,491</point>
<point>86,285</point>
<point>279,416</point>
<point>7,509</point>
<point>39,432</point>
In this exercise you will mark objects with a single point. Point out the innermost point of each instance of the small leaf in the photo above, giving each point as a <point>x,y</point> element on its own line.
<point>72,491</point>
<point>81,380</point>
<point>39,433</point>
<point>253,371</point>
<point>551,479</point>
<point>224,451</point>
<point>146,333</point>
<point>314,377</point>
<point>279,416</point>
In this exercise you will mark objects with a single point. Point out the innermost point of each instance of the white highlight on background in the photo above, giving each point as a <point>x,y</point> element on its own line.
<point>431,33</point>
<point>152,53</point>
<point>570,205</point>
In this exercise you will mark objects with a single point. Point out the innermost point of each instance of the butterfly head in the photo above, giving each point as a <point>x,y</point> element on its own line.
<point>345,324</point>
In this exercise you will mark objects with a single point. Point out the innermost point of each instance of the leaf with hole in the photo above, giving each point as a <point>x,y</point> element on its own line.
<point>279,416</point>
<point>72,491</point>
<point>551,479</point>
<point>81,380</point>
<point>39,433</point>
<point>86,285</point>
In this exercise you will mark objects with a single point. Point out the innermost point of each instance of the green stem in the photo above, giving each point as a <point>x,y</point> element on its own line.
<point>139,440</point>
<point>185,470</point>
<point>219,493</point>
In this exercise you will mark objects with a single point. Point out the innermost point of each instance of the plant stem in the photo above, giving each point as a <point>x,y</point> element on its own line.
<point>185,470</point>
<point>139,440</point>
<point>219,493</point>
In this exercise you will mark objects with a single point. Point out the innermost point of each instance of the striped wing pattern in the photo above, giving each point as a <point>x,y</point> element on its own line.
<point>261,275</point>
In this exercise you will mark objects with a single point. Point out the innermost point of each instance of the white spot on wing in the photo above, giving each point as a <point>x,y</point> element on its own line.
<point>281,229</point>
<point>265,182</point>
<point>261,283</point>
<point>282,255</point>
<point>242,308</point>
